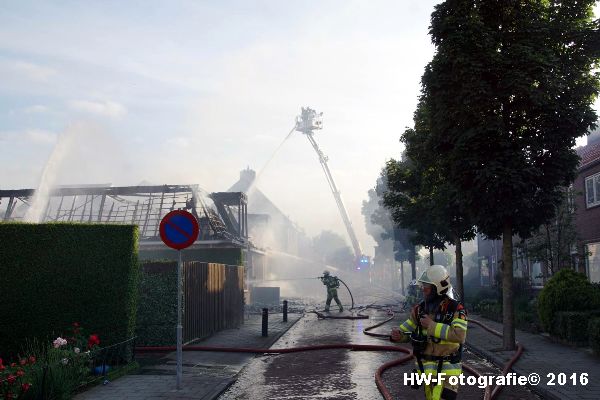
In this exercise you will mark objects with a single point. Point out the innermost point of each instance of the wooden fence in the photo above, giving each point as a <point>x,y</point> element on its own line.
<point>213,298</point>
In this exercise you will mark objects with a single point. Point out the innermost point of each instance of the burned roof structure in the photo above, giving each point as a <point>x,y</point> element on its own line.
<point>221,216</point>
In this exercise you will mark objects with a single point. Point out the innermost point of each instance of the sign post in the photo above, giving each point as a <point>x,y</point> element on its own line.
<point>179,229</point>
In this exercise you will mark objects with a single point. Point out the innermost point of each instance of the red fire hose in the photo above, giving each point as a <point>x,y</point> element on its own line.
<point>510,362</point>
<point>347,346</point>
<point>488,395</point>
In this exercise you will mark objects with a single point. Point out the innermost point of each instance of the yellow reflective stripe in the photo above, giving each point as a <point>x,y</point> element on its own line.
<point>459,323</point>
<point>444,332</point>
<point>437,330</point>
<point>457,326</point>
<point>442,341</point>
<point>447,368</point>
<point>430,366</point>
<point>406,327</point>
<point>410,323</point>
<point>452,371</point>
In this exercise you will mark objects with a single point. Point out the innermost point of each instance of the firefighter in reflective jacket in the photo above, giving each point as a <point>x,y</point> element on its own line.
<point>437,328</point>
<point>332,283</point>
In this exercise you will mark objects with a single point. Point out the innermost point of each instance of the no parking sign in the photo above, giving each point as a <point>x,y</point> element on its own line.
<point>179,229</point>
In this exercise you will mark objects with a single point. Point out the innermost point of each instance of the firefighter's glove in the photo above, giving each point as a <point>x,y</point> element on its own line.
<point>426,321</point>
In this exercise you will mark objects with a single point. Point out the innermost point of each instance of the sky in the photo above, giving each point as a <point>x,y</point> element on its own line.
<point>181,92</point>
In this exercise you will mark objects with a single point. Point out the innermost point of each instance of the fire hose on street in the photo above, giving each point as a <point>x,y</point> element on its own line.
<point>358,315</point>
<point>489,393</point>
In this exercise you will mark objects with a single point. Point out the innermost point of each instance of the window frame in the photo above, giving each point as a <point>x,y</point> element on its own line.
<point>595,179</point>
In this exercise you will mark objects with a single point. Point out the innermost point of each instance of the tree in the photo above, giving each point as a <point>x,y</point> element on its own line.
<point>406,250</point>
<point>423,199</point>
<point>551,244</point>
<point>379,224</point>
<point>333,250</point>
<point>508,91</point>
<point>378,221</point>
<point>411,207</point>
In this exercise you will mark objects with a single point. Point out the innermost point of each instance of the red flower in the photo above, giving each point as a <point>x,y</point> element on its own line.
<point>76,324</point>
<point>22,361</point>
<point>11,379</point>
<point>0,361</point>
<point>20,372</point>
<point>93,340</point>
<point>12,365</point>
<point>25,386</point>
<point>31,360</point>
<point>2,367</point>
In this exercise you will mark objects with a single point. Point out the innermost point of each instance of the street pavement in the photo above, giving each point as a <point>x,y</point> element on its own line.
<point>205,374</point>
<point>341,374</point>
<point>543,357</point>
<point>337,374</point>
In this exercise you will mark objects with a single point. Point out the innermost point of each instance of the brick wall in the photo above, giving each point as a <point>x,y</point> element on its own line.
<point>587,219</point>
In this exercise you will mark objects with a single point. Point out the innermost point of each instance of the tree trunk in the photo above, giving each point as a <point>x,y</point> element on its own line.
<point>402,277</point>
<point>413,263</point>
<point>431,255</point>
<point>508,315</point>
<point>459,270</point>
<point>559,244</point>
<point>549,244</point>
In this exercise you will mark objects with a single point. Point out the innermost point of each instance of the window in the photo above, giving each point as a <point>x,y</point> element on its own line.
<point>484,272</point>
<point>537,278</point>
<point>592,190</point>
<point>592,261</point>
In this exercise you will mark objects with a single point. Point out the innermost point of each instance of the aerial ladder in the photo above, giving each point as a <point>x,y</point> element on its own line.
<point>308,122</point>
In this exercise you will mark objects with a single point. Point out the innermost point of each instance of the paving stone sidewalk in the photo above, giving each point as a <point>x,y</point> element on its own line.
<point>541,356</point>
<point>205,374</point>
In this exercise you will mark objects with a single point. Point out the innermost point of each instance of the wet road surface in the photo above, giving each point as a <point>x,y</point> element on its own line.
<point>337,373</point>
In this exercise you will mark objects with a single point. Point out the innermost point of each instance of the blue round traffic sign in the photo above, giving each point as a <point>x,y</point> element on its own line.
<point>179,229</point>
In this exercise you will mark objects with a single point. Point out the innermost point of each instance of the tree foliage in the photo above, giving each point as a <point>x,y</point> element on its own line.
<point>508,91</point>
<point>408,200</point>
<point>381,226</point>
<point>421,198</point>
<point>552,242</point>
<point>333,250</point>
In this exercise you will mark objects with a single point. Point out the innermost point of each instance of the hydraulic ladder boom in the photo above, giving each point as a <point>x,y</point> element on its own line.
<point>308,121</point>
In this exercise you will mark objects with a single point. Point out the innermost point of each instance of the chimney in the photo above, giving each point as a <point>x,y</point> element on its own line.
<point>247,176</point>
<point>594,137</point>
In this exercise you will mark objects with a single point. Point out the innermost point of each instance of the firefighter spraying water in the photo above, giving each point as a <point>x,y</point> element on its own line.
<point>332,283</point>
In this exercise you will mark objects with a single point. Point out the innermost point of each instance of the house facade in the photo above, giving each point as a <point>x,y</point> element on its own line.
<point>587,208</point>
<point>585,254</point>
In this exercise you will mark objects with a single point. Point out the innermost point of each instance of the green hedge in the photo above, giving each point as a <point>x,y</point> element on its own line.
<point>567,290</point>
<point>594,334</point>
<point>157,310</point>
<point>56,274</point>
<point>525,314</point>
<point>572,326</point>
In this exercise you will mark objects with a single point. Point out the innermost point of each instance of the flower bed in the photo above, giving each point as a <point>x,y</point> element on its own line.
<point>52,370</point>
